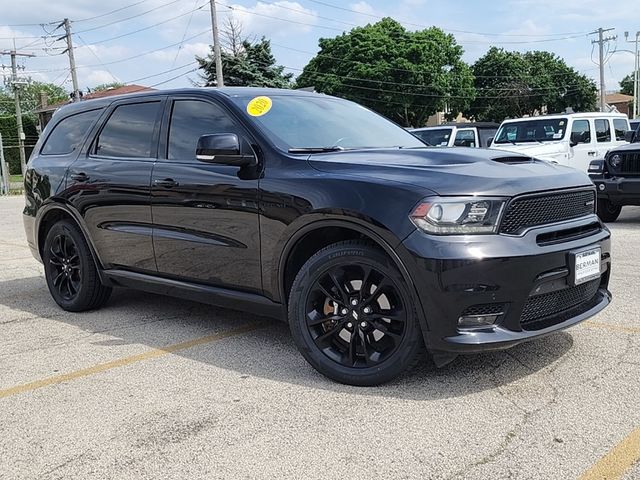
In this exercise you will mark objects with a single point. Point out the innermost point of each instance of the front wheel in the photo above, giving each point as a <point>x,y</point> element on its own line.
<point>352,316</point>
<point>607,211</point>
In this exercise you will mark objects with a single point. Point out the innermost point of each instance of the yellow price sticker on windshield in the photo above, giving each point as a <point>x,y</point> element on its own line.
<point>258,106</point>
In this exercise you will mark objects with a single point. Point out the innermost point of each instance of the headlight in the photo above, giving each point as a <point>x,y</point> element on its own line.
<point>615,161</point>
<point>458,215</point>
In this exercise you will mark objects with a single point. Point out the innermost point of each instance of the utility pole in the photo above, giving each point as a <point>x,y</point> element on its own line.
<point>636,75</point>
<point>4,171</point>
<point>16,83</point>
<point>72,59</point>
<point>216,44</point>
<point>601,41</point>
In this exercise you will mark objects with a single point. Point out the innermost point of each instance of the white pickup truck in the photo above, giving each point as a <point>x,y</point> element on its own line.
<point>568,139</point>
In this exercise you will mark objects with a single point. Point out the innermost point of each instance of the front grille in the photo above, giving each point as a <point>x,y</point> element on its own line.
<point>554,305</point>
<point>545,208</point>
<point>484,309</point>
<point>630,163</point>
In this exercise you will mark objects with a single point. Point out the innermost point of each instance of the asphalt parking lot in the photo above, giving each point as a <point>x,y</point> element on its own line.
<point>153,387</point>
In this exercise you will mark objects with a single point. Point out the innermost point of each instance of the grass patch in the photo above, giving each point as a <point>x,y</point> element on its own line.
<point>15,178</point>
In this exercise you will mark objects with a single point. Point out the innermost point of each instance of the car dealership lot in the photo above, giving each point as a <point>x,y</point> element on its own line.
<point>153,387</point>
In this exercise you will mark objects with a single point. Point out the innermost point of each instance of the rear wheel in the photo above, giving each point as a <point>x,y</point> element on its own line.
<point>352,317</point>
<point>70,270</point>
<point>607,211</point>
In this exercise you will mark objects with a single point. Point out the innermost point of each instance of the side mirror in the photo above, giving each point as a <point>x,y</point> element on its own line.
<point>629,136</point>
<point>222,149</point>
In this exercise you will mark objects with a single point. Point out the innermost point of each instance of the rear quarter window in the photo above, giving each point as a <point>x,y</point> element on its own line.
<point>68,134</point>
<point>621,127</point>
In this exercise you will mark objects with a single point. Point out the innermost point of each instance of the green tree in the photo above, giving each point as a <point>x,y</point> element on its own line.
<point>513,84</point>
<point>406,76</point>
<point>107,86</point>
<point>626,85</point>
<point>9,131</point>
<point>251,65</point>
<point>30,97</point>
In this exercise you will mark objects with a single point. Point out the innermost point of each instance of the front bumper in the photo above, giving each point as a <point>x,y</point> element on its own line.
<point>525,275</point>
<point>618,190</point>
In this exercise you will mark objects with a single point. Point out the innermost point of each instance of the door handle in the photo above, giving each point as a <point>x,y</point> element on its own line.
<point>591,154</point>
<point>166,183</point>
<point>80,177</point>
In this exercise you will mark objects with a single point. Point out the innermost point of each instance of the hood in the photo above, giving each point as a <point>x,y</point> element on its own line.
<point>546,149</point>
<point>453,171</point>
<point>629,147</point>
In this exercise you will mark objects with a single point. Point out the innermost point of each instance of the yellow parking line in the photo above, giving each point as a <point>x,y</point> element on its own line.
<point>615,328</point>
<point>617,461</point>
<point>103,367</point>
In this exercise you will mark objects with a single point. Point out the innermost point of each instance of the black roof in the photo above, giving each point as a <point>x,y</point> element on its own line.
<point>226,91</point>
<point>459,124</point>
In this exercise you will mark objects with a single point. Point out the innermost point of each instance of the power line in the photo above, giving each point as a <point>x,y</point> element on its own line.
<point>111,12</point>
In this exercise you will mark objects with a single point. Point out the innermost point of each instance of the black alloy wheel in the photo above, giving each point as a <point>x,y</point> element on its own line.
<point>64,263</point>
<point>352,317</point>
<point>70,270</point>
<point>355,315</point>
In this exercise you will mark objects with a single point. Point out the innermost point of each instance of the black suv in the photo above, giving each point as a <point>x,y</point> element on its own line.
<point>315,210</point>
<point>617,178</point>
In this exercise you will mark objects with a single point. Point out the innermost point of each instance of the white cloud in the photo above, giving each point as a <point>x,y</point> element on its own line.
<point>277,19</point>
<point>98,77</point>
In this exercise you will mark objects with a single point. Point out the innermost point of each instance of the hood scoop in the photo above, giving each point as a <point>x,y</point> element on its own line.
<point>513,160</point>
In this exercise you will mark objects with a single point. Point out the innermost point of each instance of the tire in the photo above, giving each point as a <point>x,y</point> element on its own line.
<point>352,317</point>
<point>607,211</point>
<point>70,270</point>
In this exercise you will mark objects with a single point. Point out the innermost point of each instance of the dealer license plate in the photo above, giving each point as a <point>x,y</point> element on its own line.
<point>587,266</point>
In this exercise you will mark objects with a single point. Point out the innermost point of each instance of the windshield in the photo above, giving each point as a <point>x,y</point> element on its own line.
<point>538,130</point>
<point>438,137</point>
<point>319,122</point>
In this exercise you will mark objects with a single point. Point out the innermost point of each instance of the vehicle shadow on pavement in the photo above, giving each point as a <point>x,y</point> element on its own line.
<point>132,317</point>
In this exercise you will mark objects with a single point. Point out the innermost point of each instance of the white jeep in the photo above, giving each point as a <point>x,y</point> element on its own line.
<point>567,139</point>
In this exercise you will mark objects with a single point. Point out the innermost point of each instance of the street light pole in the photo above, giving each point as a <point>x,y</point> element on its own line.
<point>636,75</point>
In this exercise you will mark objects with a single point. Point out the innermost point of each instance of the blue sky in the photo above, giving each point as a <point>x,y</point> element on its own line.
<point>152,41</point>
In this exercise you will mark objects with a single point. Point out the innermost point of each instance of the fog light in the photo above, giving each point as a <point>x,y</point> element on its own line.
<point>601,186</point>
<point>477,321</point>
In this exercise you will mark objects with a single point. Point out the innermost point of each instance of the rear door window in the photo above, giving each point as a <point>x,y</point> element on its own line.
<point>130,131</point>
<point>603,130</point>
<point>68,134</point>
<point>621,127</point>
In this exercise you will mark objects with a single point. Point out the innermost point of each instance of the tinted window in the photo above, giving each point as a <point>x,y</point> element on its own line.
<point>129,131</point>
<point>190,119</point>
<point>581,131</point>
<point>465,138</point>
<point>486,134</point>
<point>603,130</point>
<point>435,137</point>
<point>620,126</point>
<point>69,133</point>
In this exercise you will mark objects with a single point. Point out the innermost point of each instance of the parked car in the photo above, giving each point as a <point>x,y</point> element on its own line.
<point>371,245</point>
<point>474,135</point>
<point>634,124</point>
<point>568,139</point>
<point>617,178</point>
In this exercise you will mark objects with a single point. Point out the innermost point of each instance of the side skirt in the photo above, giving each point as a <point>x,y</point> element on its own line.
<point>220,297</point>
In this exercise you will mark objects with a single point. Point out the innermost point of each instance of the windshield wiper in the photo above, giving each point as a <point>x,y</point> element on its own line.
<point>315,149</point>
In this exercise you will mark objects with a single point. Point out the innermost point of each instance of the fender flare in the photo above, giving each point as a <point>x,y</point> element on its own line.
<point>387,247</point>
<point>54,205</point>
